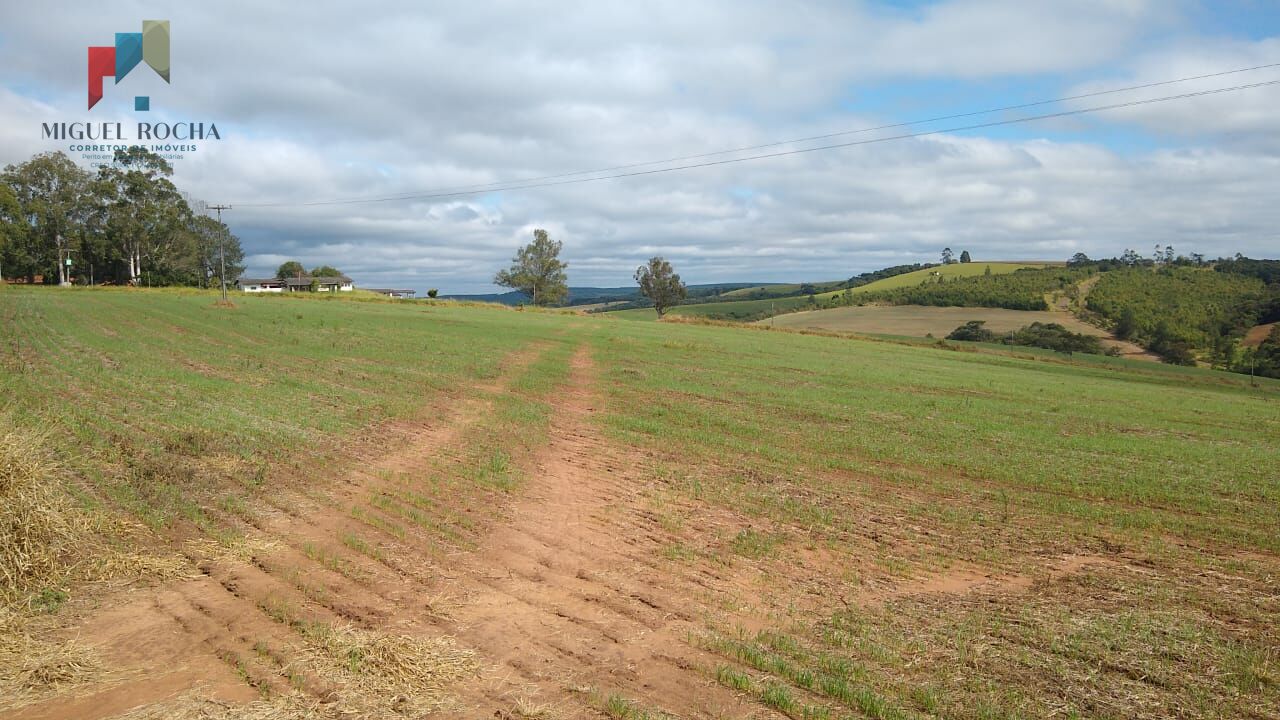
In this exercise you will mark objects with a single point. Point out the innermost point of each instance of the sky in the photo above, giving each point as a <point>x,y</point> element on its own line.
<point>345,101</point>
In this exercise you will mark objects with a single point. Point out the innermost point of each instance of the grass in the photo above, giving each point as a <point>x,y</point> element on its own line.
<point>928,420</point>
<point>619,707</point>
<point>259,383</point>
<point>845,471</point>
<point>922,459</point>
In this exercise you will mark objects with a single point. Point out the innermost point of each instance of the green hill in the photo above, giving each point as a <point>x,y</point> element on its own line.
<point>1177,311</point>
<point>1023,289</point>
<point>751,310</point>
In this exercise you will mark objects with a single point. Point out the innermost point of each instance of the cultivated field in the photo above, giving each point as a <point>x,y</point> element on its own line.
<point>919,320</point>
<point>741,309</point>
<point>324,508</point>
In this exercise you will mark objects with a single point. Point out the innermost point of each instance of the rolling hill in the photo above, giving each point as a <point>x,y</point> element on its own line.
<point>751,310</point>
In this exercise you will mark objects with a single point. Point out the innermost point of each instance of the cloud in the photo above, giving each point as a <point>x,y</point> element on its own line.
<point>347,101</point>
<point>1242,119</point>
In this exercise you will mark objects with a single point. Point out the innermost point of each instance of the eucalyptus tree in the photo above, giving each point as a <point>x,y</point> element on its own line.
<point>55,207</point>
<point>145,215</point>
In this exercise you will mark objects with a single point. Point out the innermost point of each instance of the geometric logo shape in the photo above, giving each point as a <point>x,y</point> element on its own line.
<point>155,46</point>
<point>128,53</point>
<point>151,46</point>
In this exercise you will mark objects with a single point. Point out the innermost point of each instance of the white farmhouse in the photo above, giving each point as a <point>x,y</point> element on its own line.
<point>302,283</point>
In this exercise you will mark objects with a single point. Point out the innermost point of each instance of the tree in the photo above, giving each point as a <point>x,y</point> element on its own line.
<point>142,210</point>
<point>964,256</point>
<point>214,243</point>
<point>659,282</point>
<point>10,225</point>
<point>1078,260</point>
<point>326,271</point>
<point>537,271</point>
<point>1265,359</point>
<point>53,194</point>
<point>432,293</point>
<point>973,331</point>
<point>290,269</point>
<point>1130,257</point>
<point>1127,325</point>
<point>948,257</point>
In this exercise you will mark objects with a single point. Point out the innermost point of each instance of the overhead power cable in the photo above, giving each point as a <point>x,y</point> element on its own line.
<point>561,179</point>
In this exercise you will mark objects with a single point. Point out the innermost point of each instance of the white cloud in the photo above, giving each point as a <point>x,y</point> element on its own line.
<point>1244,117</point>
<point>361,101</point>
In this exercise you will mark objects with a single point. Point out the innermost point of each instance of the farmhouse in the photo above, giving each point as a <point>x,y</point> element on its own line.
<point>302,283</point>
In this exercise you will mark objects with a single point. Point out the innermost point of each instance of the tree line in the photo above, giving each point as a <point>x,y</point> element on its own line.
<point>123,223</point>
<point>1050,336</point>
<point>1023,289</point>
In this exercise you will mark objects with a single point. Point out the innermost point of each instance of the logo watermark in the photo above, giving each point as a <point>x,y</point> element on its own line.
<point>97,142</point>
<point>150,46</point>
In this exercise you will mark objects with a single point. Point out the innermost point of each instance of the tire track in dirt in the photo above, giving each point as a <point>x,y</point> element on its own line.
<point>565,598</point>
<point>228,631</point>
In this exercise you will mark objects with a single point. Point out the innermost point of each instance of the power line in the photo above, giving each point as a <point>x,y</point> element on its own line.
<point>828,136</point>
<point>556,180</point>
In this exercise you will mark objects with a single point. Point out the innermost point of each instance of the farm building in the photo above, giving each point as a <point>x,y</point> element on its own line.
<point>394,293</point>
<point>303,283</point>
<point>260,285</point>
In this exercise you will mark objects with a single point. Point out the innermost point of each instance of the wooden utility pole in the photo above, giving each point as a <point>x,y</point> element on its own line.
<point>222,250</point>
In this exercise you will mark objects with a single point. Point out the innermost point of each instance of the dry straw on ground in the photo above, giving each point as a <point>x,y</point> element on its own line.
<point>31,666</point>
<point>38,527</point>
<point>404,674</point>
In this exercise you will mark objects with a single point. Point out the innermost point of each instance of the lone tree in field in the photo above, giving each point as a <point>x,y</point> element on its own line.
<point>661,284</point>
<point>964,256</point>
<point>948,257</point>
<point>537,271</point>
<point>293,268</point>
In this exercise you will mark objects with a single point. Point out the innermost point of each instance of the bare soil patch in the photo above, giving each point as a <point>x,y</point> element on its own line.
<point>1257,334</point>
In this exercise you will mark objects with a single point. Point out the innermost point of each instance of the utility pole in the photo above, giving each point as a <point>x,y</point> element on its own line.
<point>64,264</point>
<point>222,250</point>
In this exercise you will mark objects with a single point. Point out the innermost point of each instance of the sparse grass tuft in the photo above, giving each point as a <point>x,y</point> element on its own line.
<point>778,696</point>
<point>751,543</point>
<point>735,679</point>
<point>362,546</point>
<point>619,707</point>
